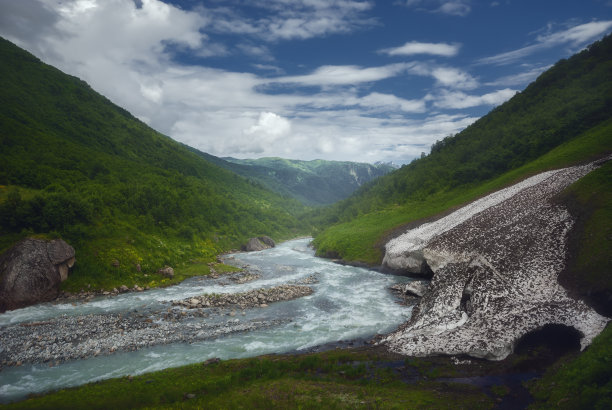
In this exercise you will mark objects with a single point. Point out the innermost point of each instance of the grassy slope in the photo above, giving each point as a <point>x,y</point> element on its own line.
<point>75,165</point>
<point>330,380</point>
<point>359,239</point>
<point>579,382</point>
<point>566,101</point>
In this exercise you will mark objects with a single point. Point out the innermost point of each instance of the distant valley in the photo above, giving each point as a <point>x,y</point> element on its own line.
<point>316,182</point>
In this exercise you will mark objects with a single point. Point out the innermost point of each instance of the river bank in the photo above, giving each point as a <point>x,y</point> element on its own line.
<point>73,342</point>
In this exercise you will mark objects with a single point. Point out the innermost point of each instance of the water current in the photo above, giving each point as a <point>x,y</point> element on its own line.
<point>348,303</point>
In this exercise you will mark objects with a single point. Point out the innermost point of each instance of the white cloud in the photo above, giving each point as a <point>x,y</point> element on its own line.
<point>270,125</point>
<point>453,77</point>
<point>122,51</point>
<point>413,47</point>
<point>575,36</point>
<point>389,102</point>
<point>520,79</point>
<point>459,100</point>
<point>456,8</point>
<point>452,7</point>
<point>345,74</point>
<point>295,19</point>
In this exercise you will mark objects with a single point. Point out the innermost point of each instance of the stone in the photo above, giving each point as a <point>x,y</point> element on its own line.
<point>259,244</point>
<point>167,272</point>
<point>31,272</point>
<point>213,360</point>
<point>123,288</point>
<point>416,288</point>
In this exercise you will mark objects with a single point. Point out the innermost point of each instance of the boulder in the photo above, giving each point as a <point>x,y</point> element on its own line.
<point>167,272</point>
<point>259,244</point>
<point>32,270</point>
<point>416,288</point>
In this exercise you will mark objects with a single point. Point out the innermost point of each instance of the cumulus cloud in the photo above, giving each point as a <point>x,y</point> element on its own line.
<point>453,77</point>
<point>413,47</point>
<point>125,51</point>
<point>576,36</point>
<point>458,99</point>
<point>270,125</point>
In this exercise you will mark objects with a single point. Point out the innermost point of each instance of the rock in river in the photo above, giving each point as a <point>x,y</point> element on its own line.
<point>259,244</point>
<point>32,270</point>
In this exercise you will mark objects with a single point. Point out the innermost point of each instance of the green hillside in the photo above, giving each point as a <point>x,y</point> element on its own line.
<point>315,182</point>
<point>75,165</point>
<point>564,114</point>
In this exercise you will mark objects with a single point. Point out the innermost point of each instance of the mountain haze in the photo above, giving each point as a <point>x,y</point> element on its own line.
<point>316,182</point>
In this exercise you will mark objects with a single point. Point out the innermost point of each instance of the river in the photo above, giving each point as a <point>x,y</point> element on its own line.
<point>348,303</point>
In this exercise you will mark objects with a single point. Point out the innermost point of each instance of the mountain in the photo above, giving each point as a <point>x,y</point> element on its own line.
<point>567,108</point>
<point>315,182</point>
<point>513,220</point>
<point>75,165</point>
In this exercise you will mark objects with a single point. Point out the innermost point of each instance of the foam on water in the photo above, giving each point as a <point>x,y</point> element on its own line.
<point>347,303</point>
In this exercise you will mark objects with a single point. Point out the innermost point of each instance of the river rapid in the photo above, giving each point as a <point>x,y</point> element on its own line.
<point>347,303</point>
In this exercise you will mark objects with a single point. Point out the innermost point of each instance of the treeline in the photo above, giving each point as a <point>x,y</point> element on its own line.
<point>569,98</point>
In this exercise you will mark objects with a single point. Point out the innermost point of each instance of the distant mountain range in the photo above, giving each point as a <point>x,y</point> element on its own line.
<point>313,183</point>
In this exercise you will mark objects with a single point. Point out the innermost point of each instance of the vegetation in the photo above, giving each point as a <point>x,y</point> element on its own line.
<point>572,99</point>
<point>313,183</point>
<point>588,273</point>
<point>75,165</point>
<point>341,379</point>
<point>362,238</point>
<point>582,382</point>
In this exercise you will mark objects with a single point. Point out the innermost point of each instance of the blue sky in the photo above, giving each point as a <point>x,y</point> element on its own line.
<point>356,80</point>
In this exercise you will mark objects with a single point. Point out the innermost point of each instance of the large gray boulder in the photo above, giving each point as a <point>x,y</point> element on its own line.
<point>32,270</point>
<point>259,244</point>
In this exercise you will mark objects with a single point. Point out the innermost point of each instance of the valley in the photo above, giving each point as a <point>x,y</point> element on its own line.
<point>507,223</point>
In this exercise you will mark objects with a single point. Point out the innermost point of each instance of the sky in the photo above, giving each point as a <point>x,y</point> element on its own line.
<point>349,80</point>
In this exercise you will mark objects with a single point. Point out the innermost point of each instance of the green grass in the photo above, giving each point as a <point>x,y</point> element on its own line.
<point>337,379</point>
<point>593,259</point>
<point>359,239</point>
<point>582,383</point>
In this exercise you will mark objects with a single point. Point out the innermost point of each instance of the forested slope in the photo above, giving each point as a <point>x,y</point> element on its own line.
<point>75,165</point>
<point>572,99</point>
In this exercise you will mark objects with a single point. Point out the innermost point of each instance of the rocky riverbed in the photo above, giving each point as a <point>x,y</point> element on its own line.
<point>67,338</point>
<point>243,300</point>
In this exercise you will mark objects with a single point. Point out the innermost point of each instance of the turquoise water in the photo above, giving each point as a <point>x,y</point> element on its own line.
<point>347,303</point>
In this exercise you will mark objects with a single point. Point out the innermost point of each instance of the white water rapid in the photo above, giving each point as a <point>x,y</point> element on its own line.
<point>347,303</point>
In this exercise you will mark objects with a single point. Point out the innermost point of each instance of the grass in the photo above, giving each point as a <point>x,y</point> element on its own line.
<point>591,265</point>
<point>584,382</point>
<point>359,239</point>
<point>335,379</point>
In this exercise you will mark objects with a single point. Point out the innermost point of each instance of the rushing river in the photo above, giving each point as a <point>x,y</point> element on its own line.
<point>347,303</point>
